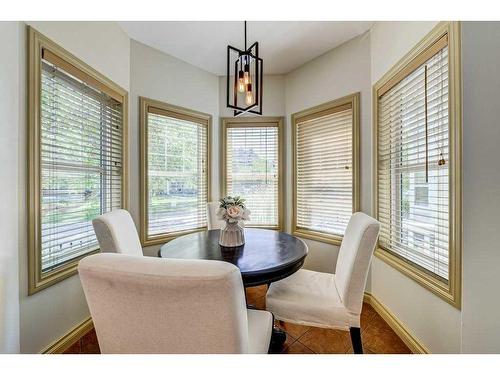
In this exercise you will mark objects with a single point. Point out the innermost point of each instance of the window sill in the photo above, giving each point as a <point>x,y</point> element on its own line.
<point>42,280</point>
<point>318,236</point>
<point>164,238</point>
<point>443,290</point>
<point>270,227</point>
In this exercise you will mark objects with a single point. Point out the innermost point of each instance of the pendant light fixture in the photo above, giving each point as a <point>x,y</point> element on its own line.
<point>244,79</point>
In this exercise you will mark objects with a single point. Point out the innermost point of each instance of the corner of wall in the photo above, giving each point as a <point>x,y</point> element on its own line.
<point>10,100</point>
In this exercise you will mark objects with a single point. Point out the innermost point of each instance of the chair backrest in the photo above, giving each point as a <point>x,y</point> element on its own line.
<point>354,259</point>
<point>212,221</point>
<point>116,233</point>
<point>155,305</point>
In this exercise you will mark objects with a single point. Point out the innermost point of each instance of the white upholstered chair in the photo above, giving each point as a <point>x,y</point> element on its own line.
<point>116,233</point>
<point>212,220</point>
<point>152,305</point>
<point>330,300</point>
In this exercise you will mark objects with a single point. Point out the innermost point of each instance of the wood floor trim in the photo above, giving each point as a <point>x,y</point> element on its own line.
<point>397,326</point>
<point>62,344</point>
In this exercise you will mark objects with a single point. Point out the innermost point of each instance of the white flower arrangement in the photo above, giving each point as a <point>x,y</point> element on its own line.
<point>232,210</point>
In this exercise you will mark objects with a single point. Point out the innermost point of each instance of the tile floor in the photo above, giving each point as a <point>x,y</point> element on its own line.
<point>377,336</point>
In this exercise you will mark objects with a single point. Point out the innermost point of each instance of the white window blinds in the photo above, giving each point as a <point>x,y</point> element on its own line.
<point>324,171</point>
<point>176,173</point>
<point>80,161</point>
<point>413,164</point>
<point>252,170</point>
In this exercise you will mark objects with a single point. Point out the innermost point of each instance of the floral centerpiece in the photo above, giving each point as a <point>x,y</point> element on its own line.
<point>232,210</point>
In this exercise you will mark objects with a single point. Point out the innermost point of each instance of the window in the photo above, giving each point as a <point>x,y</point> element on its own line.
<point>418,240</point>
<point>421,195</point>
<point>175,171</point>
<point>417,127</point>
<point>252,166</point>
<point>420,188</point>
<point>325,156</point>
<point>77,132</point>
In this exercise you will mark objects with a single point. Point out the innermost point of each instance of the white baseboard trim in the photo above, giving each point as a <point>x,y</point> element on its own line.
<point>63,343</point>
<point>398,327</point>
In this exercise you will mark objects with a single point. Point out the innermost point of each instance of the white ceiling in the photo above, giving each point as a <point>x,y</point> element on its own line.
<point>284,45</point>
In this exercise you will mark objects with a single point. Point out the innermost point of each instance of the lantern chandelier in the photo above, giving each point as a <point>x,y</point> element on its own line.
<point>244,79</point>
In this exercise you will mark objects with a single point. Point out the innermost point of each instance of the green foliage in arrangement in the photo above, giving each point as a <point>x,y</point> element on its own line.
<point>232,201</point>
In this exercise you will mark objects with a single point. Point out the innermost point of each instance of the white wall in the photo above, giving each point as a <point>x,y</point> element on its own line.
<point>340,72</point>
<point>481,187</point>
<point>9,142</point>
<point>51,313</point>
<point>434,322</point>
<point>158,76</point>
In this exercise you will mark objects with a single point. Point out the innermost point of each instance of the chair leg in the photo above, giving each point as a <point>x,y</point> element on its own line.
<point>278,338</point>
<point>357,346</point>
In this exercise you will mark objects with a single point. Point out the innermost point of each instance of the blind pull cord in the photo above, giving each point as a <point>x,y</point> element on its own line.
<point>426,131</point>
<point>267,169</point>
<point>441,160</point>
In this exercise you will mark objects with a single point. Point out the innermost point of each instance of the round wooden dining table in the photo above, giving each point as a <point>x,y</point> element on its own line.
<point>266,256</point>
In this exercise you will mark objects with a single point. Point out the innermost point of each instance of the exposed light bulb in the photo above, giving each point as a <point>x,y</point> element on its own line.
<point>249,95</point>
<point>246,74</point>
<point>241,86</point>
<point>249,98</point>
<point>241,82</point>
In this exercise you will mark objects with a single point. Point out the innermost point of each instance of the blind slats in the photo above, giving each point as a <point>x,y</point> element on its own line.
<point>252,162</point>
<point>413,166</point>
<point>324,149</point>
<point>177,174</point>
<point>81,160</point>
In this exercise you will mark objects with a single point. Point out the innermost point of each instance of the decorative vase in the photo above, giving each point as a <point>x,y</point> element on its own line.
<point>232,235</point>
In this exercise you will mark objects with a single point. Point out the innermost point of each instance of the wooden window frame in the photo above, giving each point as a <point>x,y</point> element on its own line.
<point>38,280</point>
<point>332,106</point>
<point>450,291</point>
<point>145,106</point>
<point>242,122</point>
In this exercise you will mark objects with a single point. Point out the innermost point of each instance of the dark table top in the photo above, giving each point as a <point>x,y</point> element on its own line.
<point>266,256</point>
